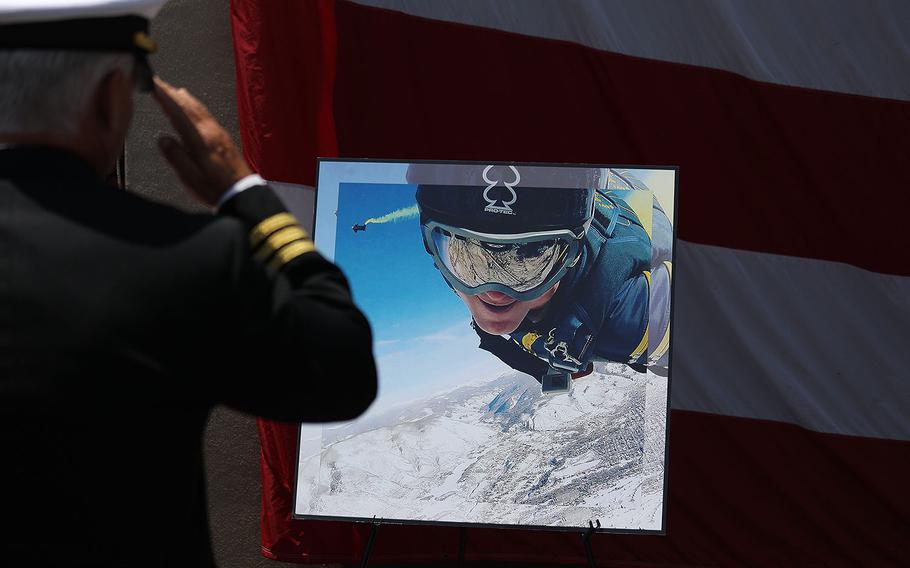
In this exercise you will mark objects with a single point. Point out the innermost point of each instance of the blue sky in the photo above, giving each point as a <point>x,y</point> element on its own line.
<point>423,340</point>
<point>390,272</point>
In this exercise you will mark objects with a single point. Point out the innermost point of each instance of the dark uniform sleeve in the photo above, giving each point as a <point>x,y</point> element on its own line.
<point>295,347</point>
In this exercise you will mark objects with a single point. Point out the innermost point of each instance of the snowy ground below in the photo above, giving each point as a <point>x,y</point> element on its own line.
<point>503,453</point>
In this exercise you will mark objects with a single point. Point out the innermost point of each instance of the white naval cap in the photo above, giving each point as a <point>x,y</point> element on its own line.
<point>25,11</point>
<point>87,25</point>
<point>115,26</point>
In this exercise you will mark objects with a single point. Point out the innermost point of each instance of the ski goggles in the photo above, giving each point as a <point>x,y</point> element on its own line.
<point>523,266</point>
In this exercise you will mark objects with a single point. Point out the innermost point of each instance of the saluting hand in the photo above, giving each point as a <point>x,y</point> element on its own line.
<point>205,158</point>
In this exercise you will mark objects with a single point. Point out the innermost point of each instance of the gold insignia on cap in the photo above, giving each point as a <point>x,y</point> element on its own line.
<point>144,42</point>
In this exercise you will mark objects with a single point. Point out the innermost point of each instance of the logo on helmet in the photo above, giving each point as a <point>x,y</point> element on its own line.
<point>504,207</point>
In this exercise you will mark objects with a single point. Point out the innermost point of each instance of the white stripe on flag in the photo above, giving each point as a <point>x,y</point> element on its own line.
<point>814,343</point>
<point>848,46</point>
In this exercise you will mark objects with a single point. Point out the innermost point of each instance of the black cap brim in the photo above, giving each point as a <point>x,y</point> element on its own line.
<point>124,34</point>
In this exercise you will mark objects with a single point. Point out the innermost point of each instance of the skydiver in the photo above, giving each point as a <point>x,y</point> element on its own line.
<point>555,278</point>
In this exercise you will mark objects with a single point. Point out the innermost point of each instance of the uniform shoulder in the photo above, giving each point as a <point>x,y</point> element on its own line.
<point>138,218</point>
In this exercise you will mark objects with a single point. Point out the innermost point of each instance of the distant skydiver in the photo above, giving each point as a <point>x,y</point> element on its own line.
<point>556,274</point>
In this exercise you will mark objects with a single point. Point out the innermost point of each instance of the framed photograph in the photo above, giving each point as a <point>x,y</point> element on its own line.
<point>521,316</point>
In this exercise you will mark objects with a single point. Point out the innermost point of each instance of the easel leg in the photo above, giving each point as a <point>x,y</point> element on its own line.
<point>462,537</point>
<point>374,526</point>
<point>586,538</point>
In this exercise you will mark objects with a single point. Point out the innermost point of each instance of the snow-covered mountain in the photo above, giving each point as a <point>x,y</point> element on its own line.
<point>502,452</point>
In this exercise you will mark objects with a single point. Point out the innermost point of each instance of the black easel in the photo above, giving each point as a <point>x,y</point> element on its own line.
<point>374,526</point>
<point>586,538</point>
<point>462,537</point>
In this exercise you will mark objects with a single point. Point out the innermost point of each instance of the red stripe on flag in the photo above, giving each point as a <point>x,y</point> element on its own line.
<point>286,120</point>
<point>763,167</point>
<point>285,53</point>
<point>742,492</point>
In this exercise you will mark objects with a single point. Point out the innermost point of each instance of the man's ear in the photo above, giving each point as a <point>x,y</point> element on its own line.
<point>107,120</point>
<point>111,100</point>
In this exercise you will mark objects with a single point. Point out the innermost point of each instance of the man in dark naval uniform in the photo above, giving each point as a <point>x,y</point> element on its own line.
<point>123,322</point>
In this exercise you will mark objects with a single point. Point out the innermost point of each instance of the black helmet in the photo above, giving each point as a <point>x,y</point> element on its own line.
<point>517,231</point>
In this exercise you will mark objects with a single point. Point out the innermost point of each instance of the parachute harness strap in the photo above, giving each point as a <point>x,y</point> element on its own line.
<point>614,217</point>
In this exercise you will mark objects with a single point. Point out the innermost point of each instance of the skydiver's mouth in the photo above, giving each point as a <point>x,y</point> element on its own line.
<point>498,307</point>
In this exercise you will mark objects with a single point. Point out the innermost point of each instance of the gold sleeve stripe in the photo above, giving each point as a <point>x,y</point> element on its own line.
<point>647,274</point>
<point>669,266</point>
<point>528,340</point>
<point>278,239</point>
<point>662,348</point>
<point>269,226</point>
<point>290,252</point>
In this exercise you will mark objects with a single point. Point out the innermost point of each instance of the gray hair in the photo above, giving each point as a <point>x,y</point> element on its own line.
<point>47,92</point>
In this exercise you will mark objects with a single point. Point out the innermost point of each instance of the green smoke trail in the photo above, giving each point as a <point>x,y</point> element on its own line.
<point>395,216</point>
